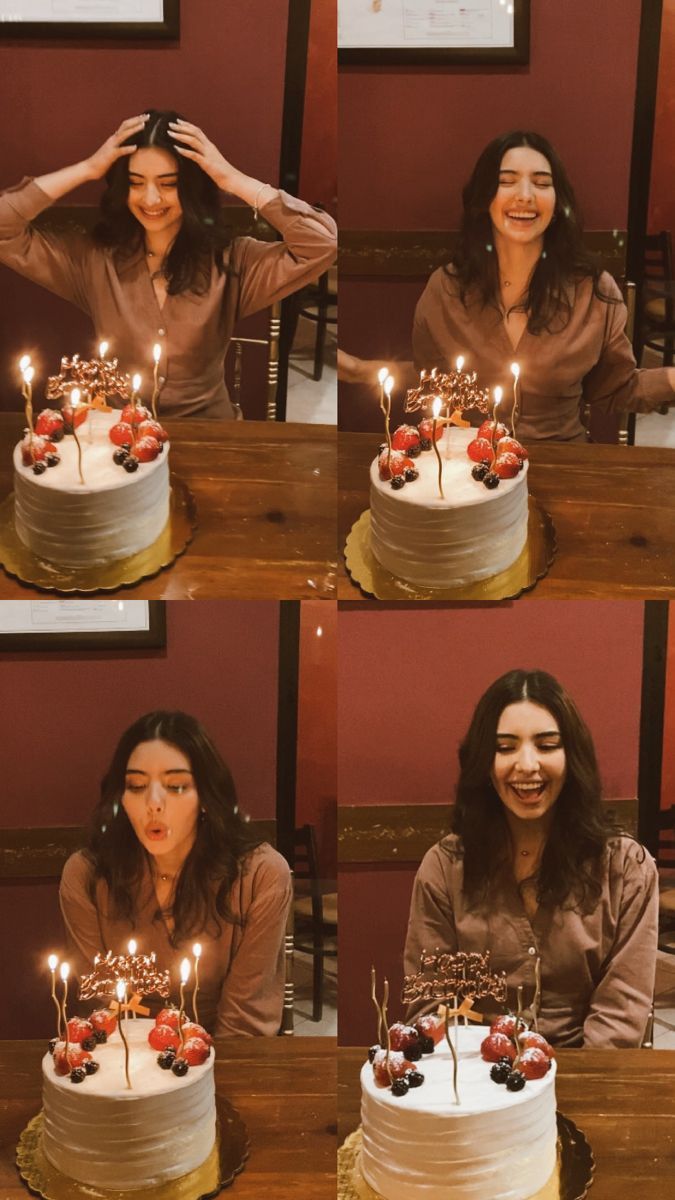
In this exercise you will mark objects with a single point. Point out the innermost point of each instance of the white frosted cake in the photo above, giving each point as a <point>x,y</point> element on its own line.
<point>101,1133</point>
<point>495,1145</point>
<point>471,534</point>
<point>114,514</point>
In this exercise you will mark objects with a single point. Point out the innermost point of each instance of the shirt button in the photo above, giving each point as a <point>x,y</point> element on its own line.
<point>532,950</point>
<point>161,332</point>
<point>162,379</point>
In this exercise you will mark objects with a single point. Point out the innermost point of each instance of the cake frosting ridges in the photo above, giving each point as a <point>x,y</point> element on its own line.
<point>104,1134</point>
<point>468,535</point>
<point>112,515</point>
<point>494,1145</point>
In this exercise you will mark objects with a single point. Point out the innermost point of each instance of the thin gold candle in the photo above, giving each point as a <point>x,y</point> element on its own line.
<point>65,972</point>
<point>498,399</point>
<point>132,951</point>
<point>436,408</point>
<point>53,963</point>
<point>515,371</point>
<point>197,951</point>
<point>74,402</point>
<point>121,989</point>
<point>184,976</point>
<point>388,389</point>
<point>156,354</point>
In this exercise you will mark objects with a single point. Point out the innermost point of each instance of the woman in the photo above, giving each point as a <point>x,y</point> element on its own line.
<point>535,870</point>
<point>169,862</point>
<point>522,288</point>
<point>160,267</point>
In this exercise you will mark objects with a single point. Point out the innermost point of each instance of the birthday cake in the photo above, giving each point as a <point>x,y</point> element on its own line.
<point>104,500</point>
<point>473,531</point>
<point>101,1132</point>
<point>419,1143</point>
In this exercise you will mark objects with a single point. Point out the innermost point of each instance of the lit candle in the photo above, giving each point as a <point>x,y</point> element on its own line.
<point>121,989</point>
<point>74,403</point>
<point>132,951</point>
<point>65,972</point>
<point>27,393</point>
<point>156,354</point>
<point>53,963</point>
<point>197,951</point>
<point>435,409</point>
<point>102,349</point>
<point>184,976</point>
<point>459,362</point>
<point>388,389</point>
<point>383,374</point>
<point>515,371</point>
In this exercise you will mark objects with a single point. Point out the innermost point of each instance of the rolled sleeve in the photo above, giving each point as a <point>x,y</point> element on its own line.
<point>57,261</point>
<point>616,383</point>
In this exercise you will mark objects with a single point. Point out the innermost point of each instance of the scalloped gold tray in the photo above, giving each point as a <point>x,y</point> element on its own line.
<point>225,1161</point>
<point>174,539</point>
<point>532,564</point>
<point>571,1179</point>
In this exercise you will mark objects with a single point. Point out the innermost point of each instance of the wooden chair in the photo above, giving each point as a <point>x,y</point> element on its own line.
<point>626,426</point>
<point>666,862</point>
<point>314,304</point>
<point>271,342</point>
<point>287,1018</point>
<point>315,912</point>
<point>656,327</point>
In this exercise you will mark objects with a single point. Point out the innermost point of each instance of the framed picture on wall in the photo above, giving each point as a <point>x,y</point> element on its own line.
<point>89,18</point>
<point>82,625</point>
<point>433,32</point>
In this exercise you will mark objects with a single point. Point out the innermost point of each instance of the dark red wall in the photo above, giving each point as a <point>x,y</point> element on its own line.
<point>408,681</point>
<point>226,74</point>
<point>409,138</point>
<point>662,196</point>
<point>318,169</point>
<point>62,715</point>
<point>316,784</point>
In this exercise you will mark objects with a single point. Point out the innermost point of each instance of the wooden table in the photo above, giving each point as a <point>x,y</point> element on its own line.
<point>283,1088</point>
<point>622,1100</point>
<point>613,508</point>
<point>265,494</point>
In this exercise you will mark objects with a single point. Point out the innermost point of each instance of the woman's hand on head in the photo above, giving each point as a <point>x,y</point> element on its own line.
<point>192,143</point>
<point>112,149</point>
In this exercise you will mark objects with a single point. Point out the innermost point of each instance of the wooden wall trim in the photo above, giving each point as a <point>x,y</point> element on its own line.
<point>402,833</point>
<point>41,853</point>
<point>418,253</point>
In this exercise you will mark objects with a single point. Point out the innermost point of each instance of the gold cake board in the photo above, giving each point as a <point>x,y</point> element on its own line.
<point>174,539</point>
<point>532,564</point>
<point>570,1180</point>
<point>225,1161</point>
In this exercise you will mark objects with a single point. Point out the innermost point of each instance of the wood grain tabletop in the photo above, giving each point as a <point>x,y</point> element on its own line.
<point>283,1089</point>
<point>266,526</point>
<point>623,1101</point>
<point>613,508</point>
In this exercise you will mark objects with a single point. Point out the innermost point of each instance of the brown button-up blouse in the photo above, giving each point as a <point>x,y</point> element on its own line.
<point>193,330</point>
<point>241,973</point>
<point>589,361</point>
<point>597,968</point>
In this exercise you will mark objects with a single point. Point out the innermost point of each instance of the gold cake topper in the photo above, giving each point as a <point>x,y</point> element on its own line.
<point>96,377</point>
<point>457,390</point>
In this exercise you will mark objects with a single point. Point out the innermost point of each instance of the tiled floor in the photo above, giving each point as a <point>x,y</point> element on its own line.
<point>307,400</point>
<point>304,1026</point>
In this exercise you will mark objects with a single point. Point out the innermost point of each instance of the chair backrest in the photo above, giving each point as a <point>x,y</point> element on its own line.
<point>287,1017</point>
<point>658,256</point>
<point>271,342</point>
<point>626,428</point>
<point>306,859</point>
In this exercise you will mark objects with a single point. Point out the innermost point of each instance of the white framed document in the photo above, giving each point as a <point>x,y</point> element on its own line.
<point>433,32</point>
<point>90,18</point>
<point>82,624</point>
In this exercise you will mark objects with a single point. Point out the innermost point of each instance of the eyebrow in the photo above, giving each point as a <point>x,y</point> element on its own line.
<point>544,733</point>
<point>170,771</point>
<point>168,175</point>
<point>510,171</point>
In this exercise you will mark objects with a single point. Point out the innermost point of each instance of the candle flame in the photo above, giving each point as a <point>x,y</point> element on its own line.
<point>75,397</point>
<point>156,352</point>
<point>497,395</point>
<point>28,374</point>
<point>382,374</point>
<point>120,988</point>
<point>132,946</point>
<point>65,971</point>
<point>185,970</point>
<point>103,349</point>
<point>436,406</point>
<point>515,369</point>
<point>24,362</point>
<point>459,362</point>
<point>53,962</point>
<point>136,382</point>
<point>389,384</point>
<point>197,950</point>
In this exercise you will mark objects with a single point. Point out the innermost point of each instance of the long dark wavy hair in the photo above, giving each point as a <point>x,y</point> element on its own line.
<point>565,260</point>
<point>204,233</point>
<point>222,840</point>
<point>572,863</point>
